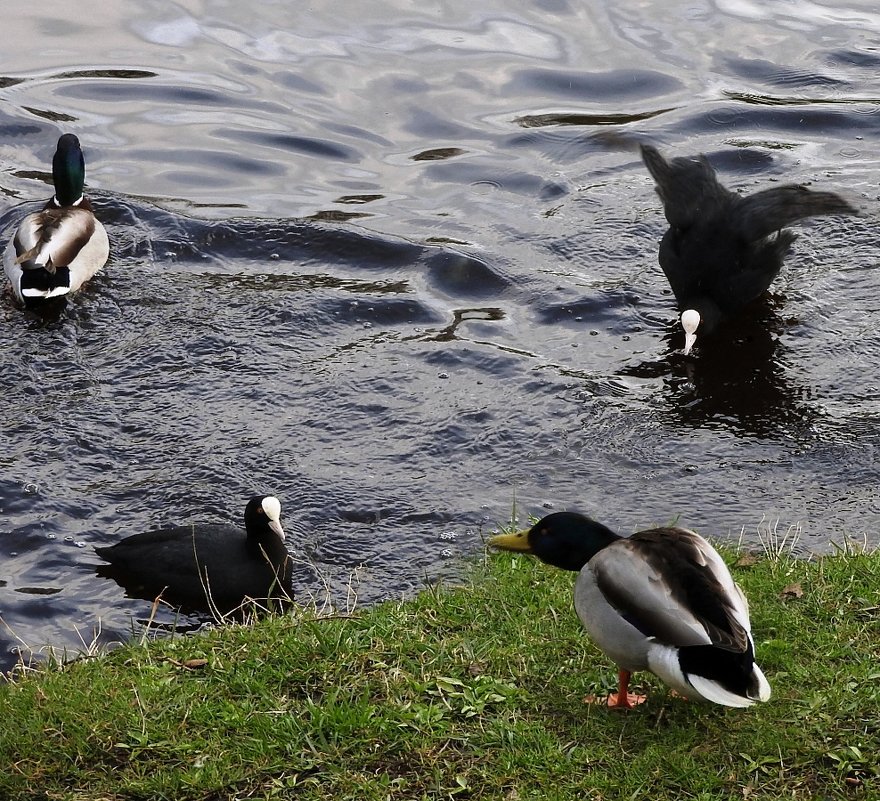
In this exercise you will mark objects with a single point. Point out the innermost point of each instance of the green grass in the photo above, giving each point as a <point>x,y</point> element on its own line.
<point>463,692</point>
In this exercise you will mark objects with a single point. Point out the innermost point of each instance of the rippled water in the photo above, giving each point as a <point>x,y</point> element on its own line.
<point>400,270</point>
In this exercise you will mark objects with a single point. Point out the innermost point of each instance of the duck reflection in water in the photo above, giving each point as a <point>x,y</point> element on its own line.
<point>741,380</point>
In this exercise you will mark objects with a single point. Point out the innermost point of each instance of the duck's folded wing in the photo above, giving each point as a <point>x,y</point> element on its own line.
<point>53,238</point>
<point>672,585</point>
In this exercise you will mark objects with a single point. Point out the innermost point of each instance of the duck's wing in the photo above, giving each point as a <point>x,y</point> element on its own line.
<point>172,550</point>
<point>687,187</point>
<point>53,238</point>
<point>674,587</point>
<point>764,213</point>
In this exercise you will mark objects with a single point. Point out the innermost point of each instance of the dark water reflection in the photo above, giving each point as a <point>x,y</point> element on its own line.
<point>740,382</point>
<point>400,270</point>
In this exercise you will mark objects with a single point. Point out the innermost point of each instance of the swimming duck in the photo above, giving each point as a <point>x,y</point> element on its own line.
<point>56,250</point>
<point>207,566</point>
<point>723,250</point>
<point>661,600</point>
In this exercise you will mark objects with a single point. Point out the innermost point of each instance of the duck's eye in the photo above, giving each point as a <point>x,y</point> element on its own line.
<point>260,510</point>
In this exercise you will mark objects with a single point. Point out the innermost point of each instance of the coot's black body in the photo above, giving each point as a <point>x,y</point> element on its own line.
<point>723,250</point>
<point>207,566</point>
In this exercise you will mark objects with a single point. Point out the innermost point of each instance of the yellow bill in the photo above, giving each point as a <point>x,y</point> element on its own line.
<point>516,541</point>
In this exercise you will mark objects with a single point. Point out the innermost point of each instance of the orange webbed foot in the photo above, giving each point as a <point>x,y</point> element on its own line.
<point>623,698</point>
<point>616,700</point>
<point>625,701</point>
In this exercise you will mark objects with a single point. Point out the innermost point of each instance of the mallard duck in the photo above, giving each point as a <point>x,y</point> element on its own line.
<point>56,250</point>
<point>723,250</point>
<point>207,566</point>
<point>661,600</point>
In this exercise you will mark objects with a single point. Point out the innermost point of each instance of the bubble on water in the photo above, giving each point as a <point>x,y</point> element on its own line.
<point>722,116</point>
<point>485,187</point>
<point>448,535</point>
<point>446,553</point>
<point>51,537</point>
<point>31,488</point>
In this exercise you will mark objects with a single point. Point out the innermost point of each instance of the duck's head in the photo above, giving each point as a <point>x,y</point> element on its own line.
<point>263,513</point>
<point>690,322</point>
<point>68,171</point>
<point>564,539</point>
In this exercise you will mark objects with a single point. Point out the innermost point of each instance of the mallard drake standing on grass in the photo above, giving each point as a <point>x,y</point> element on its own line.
<point>56,250</point>
<point>661,600</point>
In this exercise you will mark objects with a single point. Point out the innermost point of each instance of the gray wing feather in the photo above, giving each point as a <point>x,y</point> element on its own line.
<point>673,586</point>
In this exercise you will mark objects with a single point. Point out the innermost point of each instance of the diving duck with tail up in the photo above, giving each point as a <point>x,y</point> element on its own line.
<point>723,250</point>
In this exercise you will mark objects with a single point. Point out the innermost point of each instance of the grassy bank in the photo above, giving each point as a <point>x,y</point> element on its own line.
<point>469,692</point>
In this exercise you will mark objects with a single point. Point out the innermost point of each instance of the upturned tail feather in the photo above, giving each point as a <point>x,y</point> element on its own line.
<point>764,213</point>
<point>688,186</point>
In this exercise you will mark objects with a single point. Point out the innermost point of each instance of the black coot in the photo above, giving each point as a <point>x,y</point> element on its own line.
<point>723,250</point>
<point>207,566</point>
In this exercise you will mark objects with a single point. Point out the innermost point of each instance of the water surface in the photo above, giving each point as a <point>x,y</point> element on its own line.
<point>399,268</point>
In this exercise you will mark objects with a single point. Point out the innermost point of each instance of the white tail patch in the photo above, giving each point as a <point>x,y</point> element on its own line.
<point>663,662</point>
<point>713,691</point>
<point>763,684</point>
<point>57,292</point>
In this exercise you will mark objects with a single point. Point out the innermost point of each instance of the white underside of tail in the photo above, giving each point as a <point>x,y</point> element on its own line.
<point>41,293</point>
<point>713,691</point>
<point>663,661</point>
